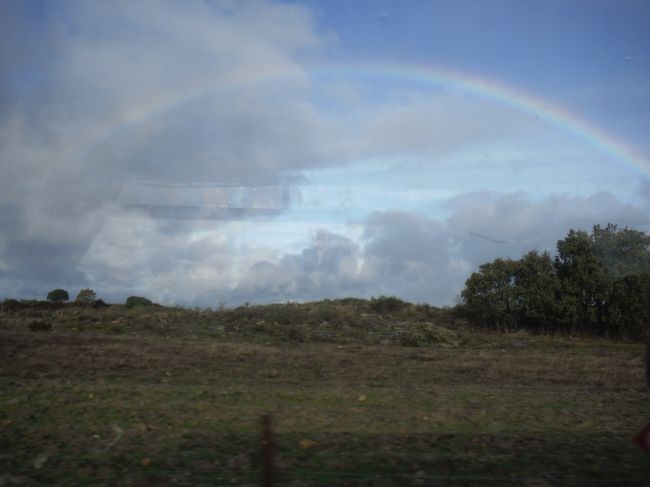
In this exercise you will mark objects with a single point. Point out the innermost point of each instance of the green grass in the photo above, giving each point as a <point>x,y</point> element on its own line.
<point>175,398</point>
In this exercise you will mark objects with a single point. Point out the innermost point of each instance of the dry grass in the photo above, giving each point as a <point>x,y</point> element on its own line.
<point>174,400</point>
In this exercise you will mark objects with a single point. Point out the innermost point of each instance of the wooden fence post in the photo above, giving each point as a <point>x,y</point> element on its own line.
<point>266,479</point>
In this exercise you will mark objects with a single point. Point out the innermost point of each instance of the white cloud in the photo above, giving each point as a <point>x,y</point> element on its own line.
<point>425,259</point>
<point>104,94</point>
<point>524,224</point>
<point>86,129</point>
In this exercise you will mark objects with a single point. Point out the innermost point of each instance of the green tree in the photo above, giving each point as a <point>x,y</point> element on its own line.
<point>584,282</point>
<point>622,252</point>
<point>537,288</point>
<point>86,296</point>
<point>626,314</point>
<point>58,295</point>
<point>489,294</point>
<point>594,284</point>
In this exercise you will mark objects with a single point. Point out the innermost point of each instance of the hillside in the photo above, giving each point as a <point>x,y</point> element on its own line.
<point>360,392</point>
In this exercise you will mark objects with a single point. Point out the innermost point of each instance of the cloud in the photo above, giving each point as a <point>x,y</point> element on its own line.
<point>411,256</point>
<point>190,262</point>
<point>525,224</point>
<point>424,259</point>
<point>97,97</point>
<point>76,119</point>
<point>644,192</point>
<point>327,268</point>
<point>437,124</point>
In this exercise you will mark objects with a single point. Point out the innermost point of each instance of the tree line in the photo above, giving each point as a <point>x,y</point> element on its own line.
<point>88,296</point>
<point>594,284</point>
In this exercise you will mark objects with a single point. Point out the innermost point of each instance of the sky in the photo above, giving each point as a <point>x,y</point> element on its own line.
<point>212,152</point>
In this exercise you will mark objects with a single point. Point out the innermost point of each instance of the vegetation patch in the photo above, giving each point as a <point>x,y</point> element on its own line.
<point>411,395</point>
<point>40,326</point>
<point>133,301</point>
<point>594,285</point>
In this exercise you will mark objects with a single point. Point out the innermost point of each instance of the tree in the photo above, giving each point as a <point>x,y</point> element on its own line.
<point>86,296</point>
<point>625,311</point>
<point>595,284</point>
<point>536,288</point>
<point>58,295</point>
<point>489,294</point>
<point>621,252</point>
<point>584,282</point>
<point>508,294</point>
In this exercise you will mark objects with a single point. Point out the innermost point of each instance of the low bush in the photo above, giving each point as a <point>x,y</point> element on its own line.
<point>99,303</point>
<point>10,305</point>
<point>387,304</point>
<point>133,301</point>
<point>421,334</point>
<point>86,296</point>
<point>40,326</point>
<point>293,334</point>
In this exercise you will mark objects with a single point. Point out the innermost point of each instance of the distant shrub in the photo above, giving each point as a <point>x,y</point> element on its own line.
<point>133,301</point>
<point>294,334</point>
<point>410,338</point>
<point>323,312</point>
<point>58,296</point>
<point>421,334</point>
<point>387,304</point>
<point>86,296</point>
<point>99,303</point>
<point>9,305</point>
<point>40,326</point>
<point>436,334</point>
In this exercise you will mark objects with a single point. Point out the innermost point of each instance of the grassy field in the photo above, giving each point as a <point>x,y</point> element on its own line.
<point>359,395</point>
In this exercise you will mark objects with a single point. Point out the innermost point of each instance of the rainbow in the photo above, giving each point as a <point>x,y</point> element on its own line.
<point>504,95</point>
<point>471,84</point>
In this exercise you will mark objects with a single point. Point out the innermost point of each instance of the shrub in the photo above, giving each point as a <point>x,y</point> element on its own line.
<point>40,326</point>
<point>9,305</point>
<point>86,296</point>
<point>133,301</point>
<point>99,303</point>
<point>323,312</point>
<point>410,338</point>
<point>293,334</point>
<point>436,334</point>
<point>58,296</point>
<point>421,334</point>
<point>387,304</point>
